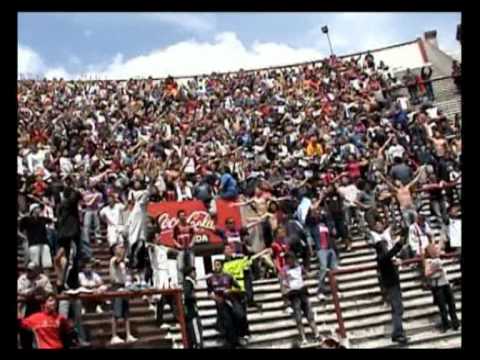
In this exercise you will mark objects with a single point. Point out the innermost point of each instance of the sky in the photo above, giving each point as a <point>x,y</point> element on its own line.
<point>128,45</point>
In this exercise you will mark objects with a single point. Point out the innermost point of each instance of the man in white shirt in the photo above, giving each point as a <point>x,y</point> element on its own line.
<point>91,281</point>
<point>419,235</point>
<point>113,215</point>
<point>395,150</point>
<point>349,192</point>
<point>455,228</point>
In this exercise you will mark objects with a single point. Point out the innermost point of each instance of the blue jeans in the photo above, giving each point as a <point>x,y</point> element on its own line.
<point>395,295</point>
<point>327,259</point>
<point>230,194</point>
<point>91,219</point>
<point>52,241</point>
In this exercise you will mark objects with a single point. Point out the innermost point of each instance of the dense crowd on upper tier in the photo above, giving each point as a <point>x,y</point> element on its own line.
<point>312,149</point>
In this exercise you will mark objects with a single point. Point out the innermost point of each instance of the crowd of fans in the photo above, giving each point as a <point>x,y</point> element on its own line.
<point>317,151</point>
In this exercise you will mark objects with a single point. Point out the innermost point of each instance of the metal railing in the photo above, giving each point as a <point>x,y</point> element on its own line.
<point>107,295</point>
<point>334,286</point>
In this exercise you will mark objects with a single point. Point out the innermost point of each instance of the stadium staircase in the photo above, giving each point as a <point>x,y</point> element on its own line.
<point>367,318</point>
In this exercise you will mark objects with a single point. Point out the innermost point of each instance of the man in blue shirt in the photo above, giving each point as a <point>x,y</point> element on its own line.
<point>228,185</point>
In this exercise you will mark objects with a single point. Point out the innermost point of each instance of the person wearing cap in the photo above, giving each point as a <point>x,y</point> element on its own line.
<point>35,230</point>
<point>30,286</point>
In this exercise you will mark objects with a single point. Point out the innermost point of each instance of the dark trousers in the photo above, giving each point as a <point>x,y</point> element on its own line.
<point>300,249</point>
<point>429,88</point>
<point>412,91</point>
<point>195,333</point>
<point>161,307</point>
<point>443,297</point>
<point>232,321</point>
<point>248,278</point>
<point>395,296</point>
<point>300,304</point>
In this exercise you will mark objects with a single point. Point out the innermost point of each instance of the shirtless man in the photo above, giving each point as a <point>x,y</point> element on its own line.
<point>439,143</point>
<point>261,200</point>
<point>403,195</point>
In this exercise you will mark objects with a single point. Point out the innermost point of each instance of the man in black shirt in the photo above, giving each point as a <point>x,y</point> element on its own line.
<point>69,230</point>
<point>34,226</point>
<point>391,283</point>
<point>334,205</point>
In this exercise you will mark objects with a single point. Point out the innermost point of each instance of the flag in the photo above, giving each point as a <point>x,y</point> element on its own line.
<point>325,29</point>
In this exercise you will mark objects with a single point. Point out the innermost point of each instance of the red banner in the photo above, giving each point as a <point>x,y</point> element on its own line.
<point>166,215</point>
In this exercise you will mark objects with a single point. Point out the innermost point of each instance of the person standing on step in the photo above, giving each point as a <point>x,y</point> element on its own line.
<point>441,289</point>
<point>92,199</point>
<point>158,255</point>
<point>231,318</point>
<point>183,234</point>
<point>292,276</point>
<point>426,75</point>
<point>404,197</point>
<point>390,279</point>
<point>326,251</point>
<point>136,227</point>
<point>238,267</point>
<point>35,229</point>
<point>280,248</point>
<point>118,279</point>
<point>192,316</point>
<point>112,213</point>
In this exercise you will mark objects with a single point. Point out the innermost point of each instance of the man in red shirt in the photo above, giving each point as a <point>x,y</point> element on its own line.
<point>183,234</point>
<point>48,326</point>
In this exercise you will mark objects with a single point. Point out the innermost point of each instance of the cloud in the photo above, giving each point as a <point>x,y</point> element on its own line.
<point>28,61</point>
<point>186,21</point>
<point>30,64</point>
<point>190,22</point>
<point>225,53</point>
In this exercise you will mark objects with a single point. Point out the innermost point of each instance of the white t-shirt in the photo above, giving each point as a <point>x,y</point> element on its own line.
<point>395,151</point>
<point>118,272</point>
<point>158,257</point>
<point>113,214</point>
<point>455,233</point>
<point>432,113</point>
<point>385,236</point>
<point>20,167</point>
<point>66,166</point>
<point>403,101</point>
<point>349,192</point>
<point>294,278</point>
<point>94,281</point>
<point>417,238</point>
